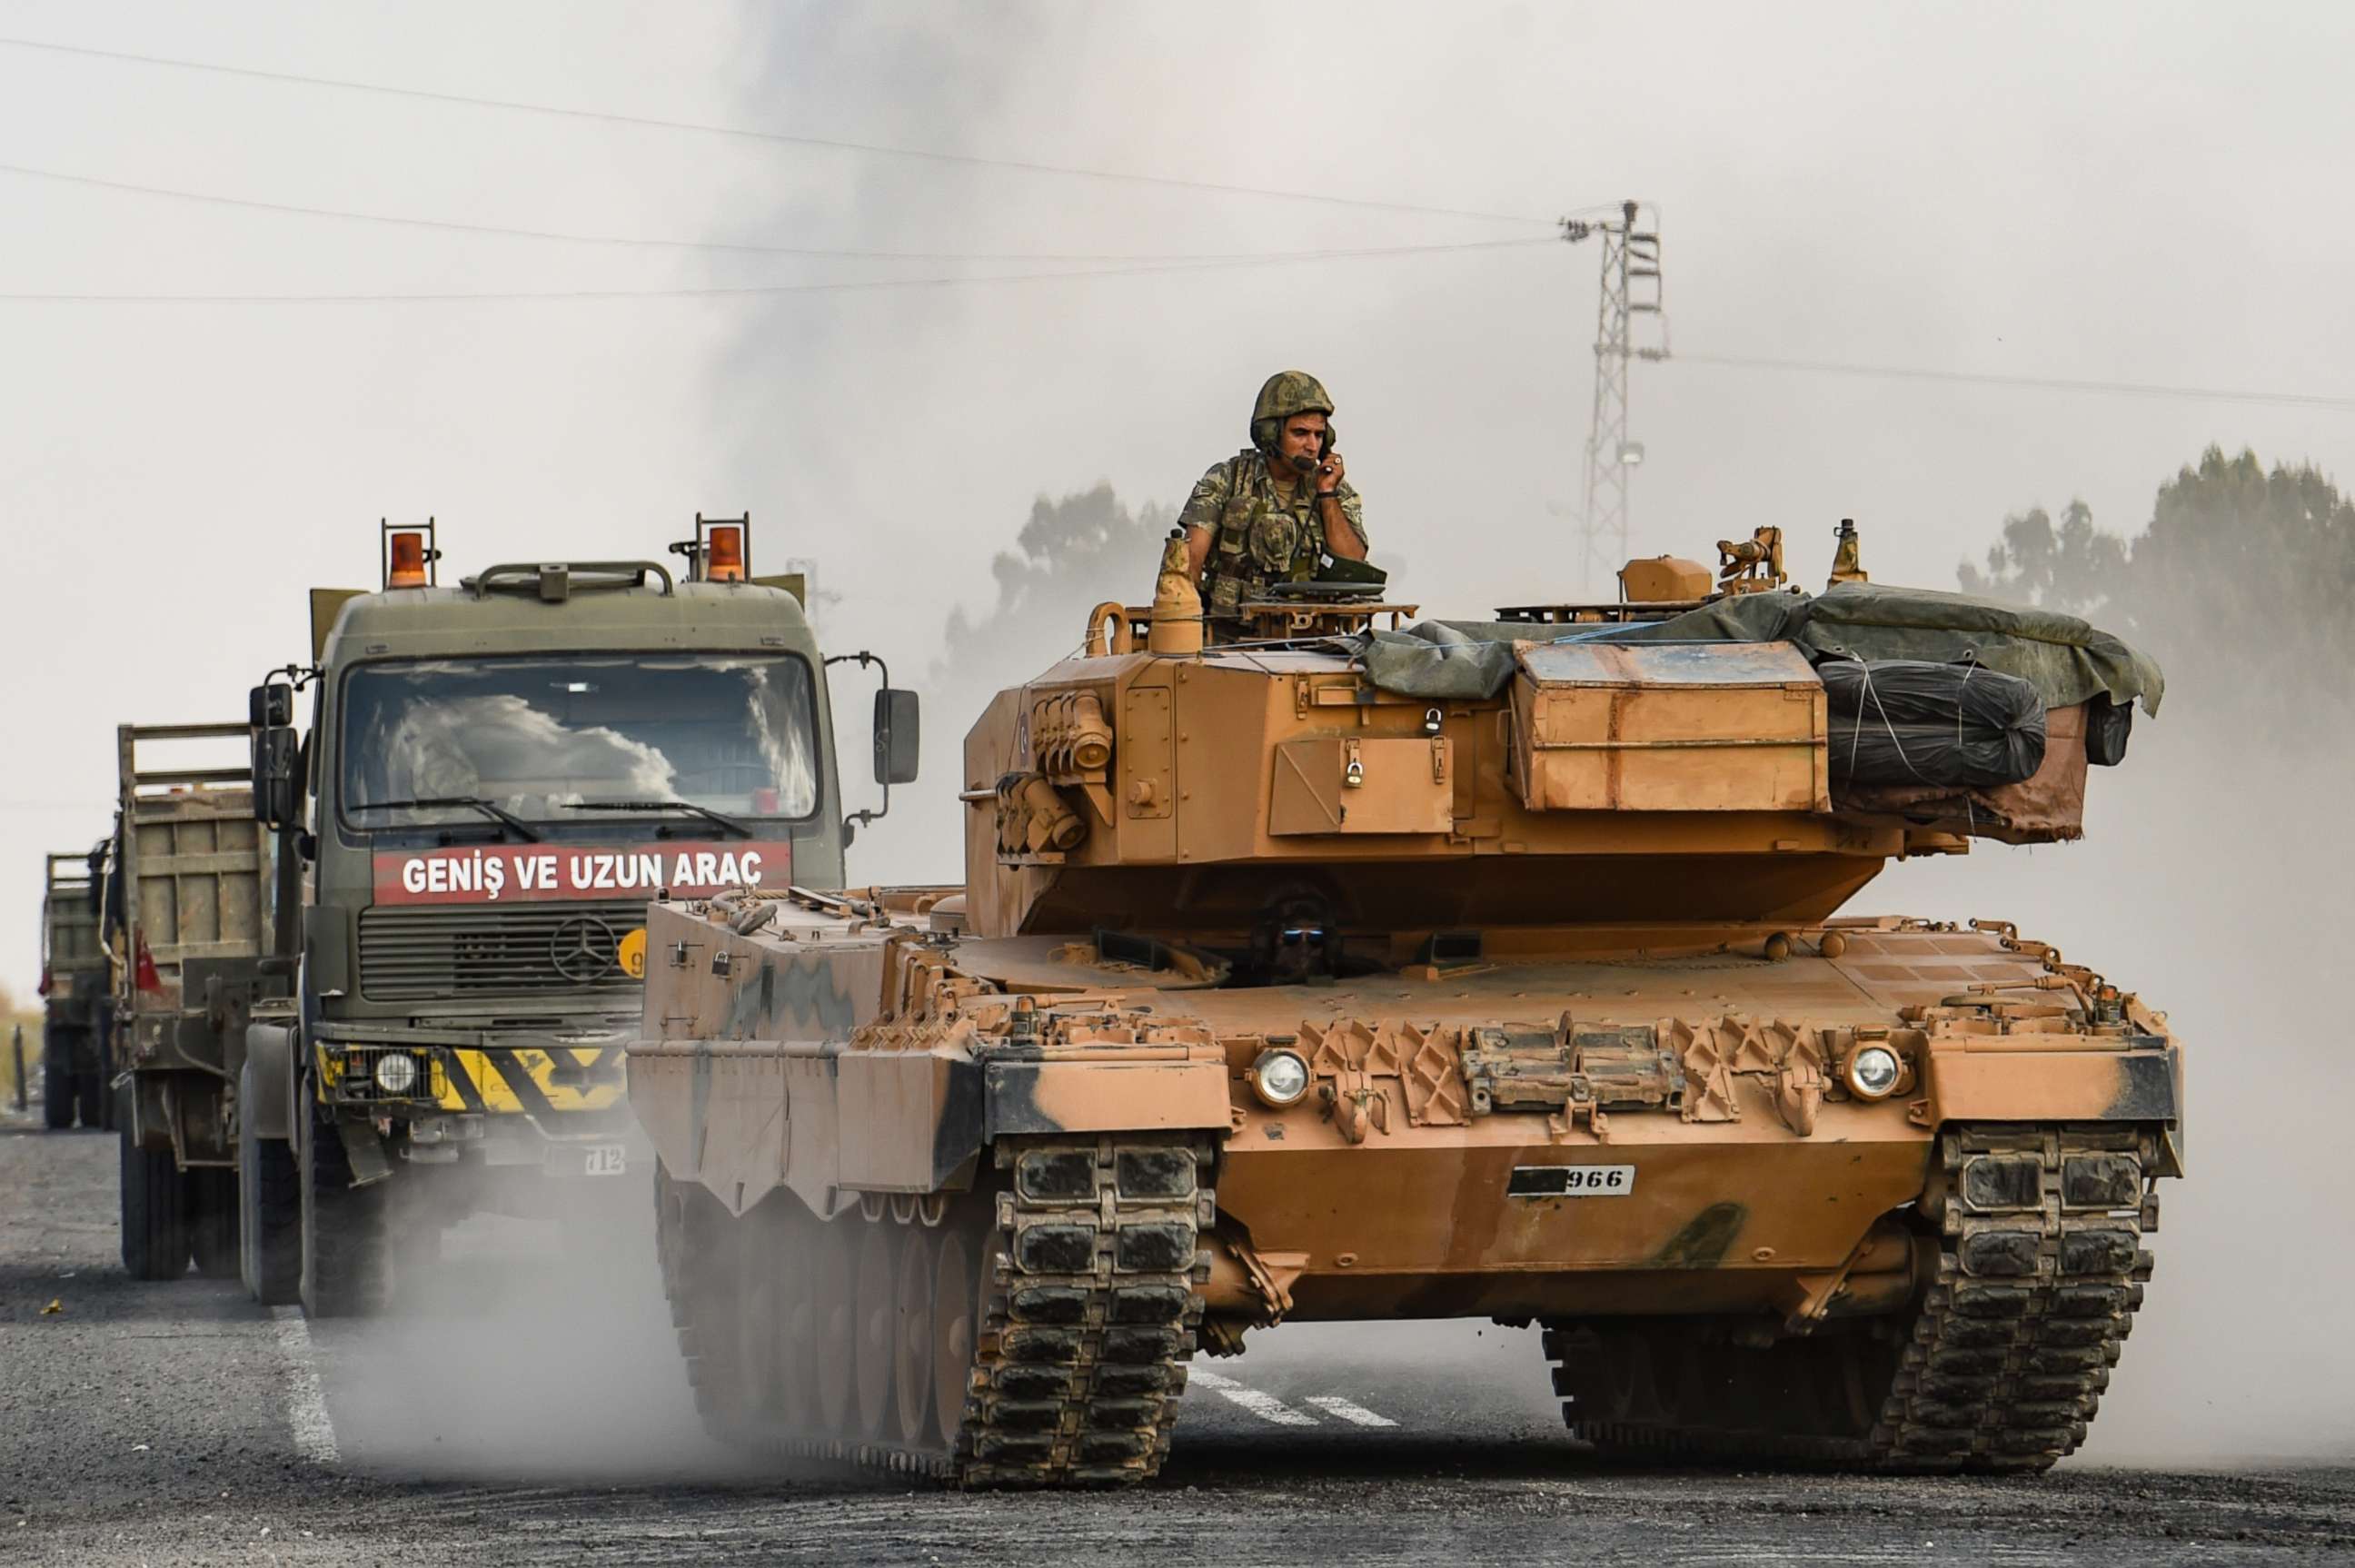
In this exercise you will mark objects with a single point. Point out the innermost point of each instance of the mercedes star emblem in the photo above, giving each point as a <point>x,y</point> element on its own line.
<point>582,949</point>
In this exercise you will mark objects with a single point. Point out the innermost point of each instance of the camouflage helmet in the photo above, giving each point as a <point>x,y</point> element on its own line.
<point>1283,395</point>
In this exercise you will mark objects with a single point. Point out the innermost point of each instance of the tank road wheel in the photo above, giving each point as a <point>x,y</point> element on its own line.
<point>878,1324</point>
<point>156,1240</point>
<point>342,1272</point>
<point>957,1308</point>
<point>1628,1388</point>
<point>59,1093</point>
<point>670,1246</point>
<point>771,1274</point>
<point>213,1221</point>
<point>700,1252</point>
<point>1998,1365</point>
<point>912,1340</point>
<point>836,1343</point>
<point>756,1350</point>
<point>794,1330</point>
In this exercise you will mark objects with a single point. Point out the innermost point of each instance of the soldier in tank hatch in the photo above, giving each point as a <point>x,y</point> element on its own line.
<point>1271,512</point>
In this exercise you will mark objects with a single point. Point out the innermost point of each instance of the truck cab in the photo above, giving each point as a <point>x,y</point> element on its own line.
<point>497,776</point>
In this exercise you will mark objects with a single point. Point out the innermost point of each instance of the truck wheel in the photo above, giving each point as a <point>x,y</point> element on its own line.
<point>56,1081</point>
<point>213,1221</point>
<point>270,1211</point>
<point>342,1272</point>
<point>89,1096</point>
<point>156,1240</point>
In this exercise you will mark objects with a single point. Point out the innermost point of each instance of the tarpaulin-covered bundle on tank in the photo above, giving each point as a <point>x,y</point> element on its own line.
<point>2067,660</point>
<point>1907,721</point>
<point>1470,661</point>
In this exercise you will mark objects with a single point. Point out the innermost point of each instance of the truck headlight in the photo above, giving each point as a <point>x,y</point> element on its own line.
<point>1874,1072</point>
<point>1279,1077</point>
<point>396,1073</point>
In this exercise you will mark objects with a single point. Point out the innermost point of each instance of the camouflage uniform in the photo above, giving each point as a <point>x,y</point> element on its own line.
<point>1259,534</point>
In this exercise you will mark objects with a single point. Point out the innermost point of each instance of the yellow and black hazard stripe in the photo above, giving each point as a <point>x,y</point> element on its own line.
<point>536,1081</point>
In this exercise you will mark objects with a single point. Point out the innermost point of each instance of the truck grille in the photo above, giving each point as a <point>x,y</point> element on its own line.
<point>426,954</point>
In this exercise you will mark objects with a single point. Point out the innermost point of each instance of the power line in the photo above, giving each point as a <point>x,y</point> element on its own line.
<point>779,138</point>
<point>352,214</point>
<point>2037,383</point>
<point>1272,258</point>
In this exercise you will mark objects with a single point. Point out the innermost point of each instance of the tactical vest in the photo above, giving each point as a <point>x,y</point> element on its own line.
<point>1259,540</point>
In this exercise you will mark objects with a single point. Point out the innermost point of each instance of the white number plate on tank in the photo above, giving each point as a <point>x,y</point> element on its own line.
<point>604,1160</point>
<point>1572,1181</point>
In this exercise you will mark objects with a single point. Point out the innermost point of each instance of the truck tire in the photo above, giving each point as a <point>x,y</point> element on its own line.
<point>56,1081</point>
<point>213,1221</point>
<point>156,1240</point>
<point>343,1270</point>
<point>270,1211</point>
<point>89,1095</point>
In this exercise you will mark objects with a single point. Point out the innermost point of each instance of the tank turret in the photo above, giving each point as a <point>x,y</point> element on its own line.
<point>1728,761</point>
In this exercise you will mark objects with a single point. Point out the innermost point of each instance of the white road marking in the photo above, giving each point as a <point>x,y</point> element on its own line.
<point>1348,1410</point>
<point>1266,1407</point>
<point>306,1404</point>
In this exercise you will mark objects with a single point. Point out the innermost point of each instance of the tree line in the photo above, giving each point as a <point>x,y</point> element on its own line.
<point>2238,584</point>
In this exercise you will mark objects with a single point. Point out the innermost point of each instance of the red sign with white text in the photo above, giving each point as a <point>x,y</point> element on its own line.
<point>501,873</point>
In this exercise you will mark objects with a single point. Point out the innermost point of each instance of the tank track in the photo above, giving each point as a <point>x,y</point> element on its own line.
<point>2038,1270</point>
<point>1089,1299</point>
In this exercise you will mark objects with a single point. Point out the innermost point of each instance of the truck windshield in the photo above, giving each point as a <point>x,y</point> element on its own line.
<point>539,737</point>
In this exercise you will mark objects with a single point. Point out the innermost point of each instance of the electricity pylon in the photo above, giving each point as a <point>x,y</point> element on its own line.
<point>1631,289</point>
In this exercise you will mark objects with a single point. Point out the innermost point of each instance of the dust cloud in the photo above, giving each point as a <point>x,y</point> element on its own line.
<point>532,1351</point>
<point>2214,879</point>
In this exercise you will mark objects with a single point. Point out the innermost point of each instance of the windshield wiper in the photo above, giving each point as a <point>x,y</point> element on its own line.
<point>498,814</point>
<point>705,812</point>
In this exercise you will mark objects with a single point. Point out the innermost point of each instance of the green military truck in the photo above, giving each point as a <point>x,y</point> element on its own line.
<point>495,778</point>
<point>73,995</point>
<point>190,903</point>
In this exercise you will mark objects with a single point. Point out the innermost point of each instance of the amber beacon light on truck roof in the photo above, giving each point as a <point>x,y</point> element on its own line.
<point>720,552</point>
<point>409,556</point>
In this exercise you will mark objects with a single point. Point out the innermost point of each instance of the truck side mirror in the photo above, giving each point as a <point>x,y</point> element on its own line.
<point>277,778</point>
<point>271,706</point>
<point>898,736</point>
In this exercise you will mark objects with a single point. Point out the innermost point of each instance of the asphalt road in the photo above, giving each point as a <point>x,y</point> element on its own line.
<point>527,1408</point>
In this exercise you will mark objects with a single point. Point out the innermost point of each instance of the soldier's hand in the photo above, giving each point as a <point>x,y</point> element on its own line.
<point>1329,473</point>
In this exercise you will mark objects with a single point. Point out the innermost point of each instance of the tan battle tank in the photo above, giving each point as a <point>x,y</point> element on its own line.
<point>1486,969</point>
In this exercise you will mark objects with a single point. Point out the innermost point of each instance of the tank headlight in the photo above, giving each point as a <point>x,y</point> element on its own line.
<point>396,1072</point>
<point>1874,1072</point>
<point>1280,1077</point>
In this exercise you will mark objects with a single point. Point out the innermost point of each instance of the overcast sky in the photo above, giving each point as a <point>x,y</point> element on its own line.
<point>2142,194</point>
